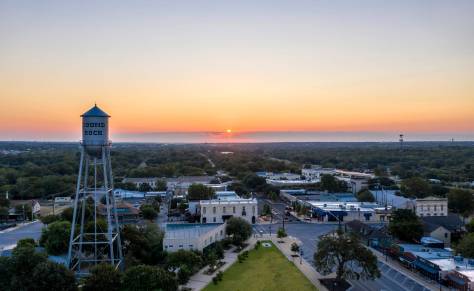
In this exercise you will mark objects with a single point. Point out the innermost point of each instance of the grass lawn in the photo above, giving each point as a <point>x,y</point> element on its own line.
<point>264,269</point>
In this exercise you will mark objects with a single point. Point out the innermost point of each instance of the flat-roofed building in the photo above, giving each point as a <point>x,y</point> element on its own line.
<point>191,236</point>
<point>348,211</point>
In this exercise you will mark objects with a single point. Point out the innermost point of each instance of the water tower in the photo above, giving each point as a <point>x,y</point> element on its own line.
<point>91,242</point>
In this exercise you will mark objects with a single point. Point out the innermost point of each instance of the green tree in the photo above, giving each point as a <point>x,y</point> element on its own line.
<point>103,277</point>
<point>461,201</point>
<point>47,219</point>
<point>239,229</point>
<point>55,237</point>
<point>148,212</point>
<point>4,202</point>
<point>341,251</point>
<point>3,213</point>
<point>49,276</point>
<point>331,184</point>
<point>6,272</point>
<point>144,187</point>
<point>365,195</point>
<point>24,209</point>
<point>200,192</point>
<point>254,182</point>
<point>267,210</point>
<point>416,187</point>
<point>24,259</point>
<point>405,225</point>
<point>161,185</point>
<point>281,233</point>
<point>143,244</point>
<point>470,226</point>
<point>145,278</point>
<point>466,246</point>
<point>181,258</point>
<point>184,274</point>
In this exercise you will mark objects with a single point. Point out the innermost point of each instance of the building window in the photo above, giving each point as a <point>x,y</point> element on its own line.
<point>223,209</point>
<point>213,219</point>
<point>446,235</point>
<point>442,207</point>
<point>435,207</point>
<point>253,209</point>
<point>214,210</point>
<point>181,246</point>
<point>204,210</point>
<point>233,209</point>
<point>244,213</point>
<point>191,246</point>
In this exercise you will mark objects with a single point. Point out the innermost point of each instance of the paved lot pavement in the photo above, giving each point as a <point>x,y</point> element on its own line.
<point>32,230</point>
<point>308,234</point>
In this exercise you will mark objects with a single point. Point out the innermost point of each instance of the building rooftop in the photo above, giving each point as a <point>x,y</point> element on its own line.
<point>451,222</point>
<point>430,240</point>
<point>432,198</point>
<point>228,201</point>
<point>347,206</point>
<point>457,263</point>
<point>188,230</point>
<point>391,198</point>
<point>227,195</point>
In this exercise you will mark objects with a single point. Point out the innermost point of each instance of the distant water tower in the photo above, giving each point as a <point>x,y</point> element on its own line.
<point>94,245</point>
<point>400,140</point>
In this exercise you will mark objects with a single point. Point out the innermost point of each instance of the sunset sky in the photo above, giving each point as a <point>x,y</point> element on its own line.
<point>249,66</point>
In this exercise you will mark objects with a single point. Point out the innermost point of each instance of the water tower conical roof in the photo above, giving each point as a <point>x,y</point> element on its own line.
<point>95,112</point>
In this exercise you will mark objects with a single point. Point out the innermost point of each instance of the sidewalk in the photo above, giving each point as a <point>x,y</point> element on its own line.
<point>412,275</point>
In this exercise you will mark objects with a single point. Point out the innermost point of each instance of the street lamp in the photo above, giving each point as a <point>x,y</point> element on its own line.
<point>301,255</point>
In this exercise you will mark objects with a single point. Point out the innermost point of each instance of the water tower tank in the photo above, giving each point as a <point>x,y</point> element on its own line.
<point>95,130</point>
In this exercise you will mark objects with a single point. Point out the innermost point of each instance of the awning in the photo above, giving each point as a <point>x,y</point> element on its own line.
<point>457,280</point>
<point>426,268</point>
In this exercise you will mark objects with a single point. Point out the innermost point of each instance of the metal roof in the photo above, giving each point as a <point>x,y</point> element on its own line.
<point>95,112</point>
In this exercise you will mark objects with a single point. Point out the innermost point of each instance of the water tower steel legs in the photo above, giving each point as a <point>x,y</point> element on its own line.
<point>100,246</point>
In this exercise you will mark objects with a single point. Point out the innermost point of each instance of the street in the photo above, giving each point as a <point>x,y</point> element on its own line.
<point>308,233</point>
<point>10,237</point>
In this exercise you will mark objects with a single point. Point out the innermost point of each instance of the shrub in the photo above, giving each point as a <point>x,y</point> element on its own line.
<point>219,275</point>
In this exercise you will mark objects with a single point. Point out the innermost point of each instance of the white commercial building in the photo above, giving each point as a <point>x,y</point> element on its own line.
<point>186,236</point>
<point>347,211</point>
<point>219,210</point>
<point>431,206</point>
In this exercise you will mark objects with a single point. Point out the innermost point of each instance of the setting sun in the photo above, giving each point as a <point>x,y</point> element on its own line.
<point>229,130</point>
